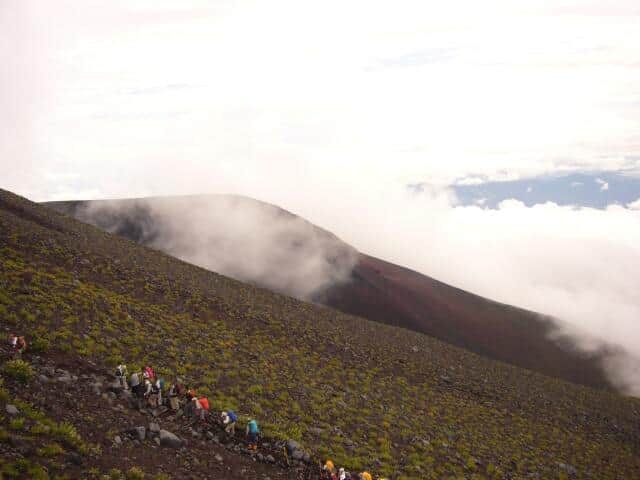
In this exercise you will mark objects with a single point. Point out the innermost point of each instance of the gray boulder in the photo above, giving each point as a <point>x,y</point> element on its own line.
<point>11,409</point>
<point>569,469</point>
<point>141,433</point>
<point>168,439</point>
<point>292,446</point>
<point>65,378</point>
<point>154,428</point>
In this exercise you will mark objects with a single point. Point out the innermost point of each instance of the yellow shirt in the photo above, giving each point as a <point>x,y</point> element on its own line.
<point>366,476</point>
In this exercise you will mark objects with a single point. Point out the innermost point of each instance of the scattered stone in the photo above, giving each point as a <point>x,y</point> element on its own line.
<point>76,458</point>
<point>210,435</point>
<point>12,409</point>
<point>569,469</point>
<point>260,457</point>
<point>415,349</point>
<point>43,378</point>
<point>154,428</point>
<point>292,446</point>
<point>168,439</point>
<point>141,433</point>
<point>157,440</point>
<point>65,378</point>
<point>218,458</point>
<point>297,455</point>
<point>270,459</point>
<point>117,440</point>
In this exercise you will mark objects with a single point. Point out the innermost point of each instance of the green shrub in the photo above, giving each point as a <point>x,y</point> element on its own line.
<point>39,345</point>
<point>135,473</point>
<point>18,369</point>
<point>50,450</point>
<point>16,423</point>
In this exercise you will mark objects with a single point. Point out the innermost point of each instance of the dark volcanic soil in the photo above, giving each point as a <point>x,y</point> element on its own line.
<point>394,295</point>
<point>387,293</point>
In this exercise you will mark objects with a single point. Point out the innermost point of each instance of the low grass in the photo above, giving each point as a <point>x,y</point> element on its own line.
<point>298,367</point>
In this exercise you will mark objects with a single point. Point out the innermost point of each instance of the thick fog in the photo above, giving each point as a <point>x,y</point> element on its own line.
<point>247,240</point>
<point>580,265</point>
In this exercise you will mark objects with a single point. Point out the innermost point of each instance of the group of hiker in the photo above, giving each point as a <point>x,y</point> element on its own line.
<point>151,390</point>
<point>329,472</point>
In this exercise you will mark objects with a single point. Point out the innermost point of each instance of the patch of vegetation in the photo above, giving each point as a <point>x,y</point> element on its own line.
<point>18,369</point>
<point>344,387</point>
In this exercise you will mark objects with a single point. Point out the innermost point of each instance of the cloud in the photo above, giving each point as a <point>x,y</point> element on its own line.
<point>290,114</point>
<point>246,240</point>
<point>580,265</point>
<point>604,186</point>
<point>470,181</point>
<point>634,205</point>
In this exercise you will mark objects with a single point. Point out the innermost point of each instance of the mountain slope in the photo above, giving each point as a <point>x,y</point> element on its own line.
<point>356,283</point>
<point>367,394</point>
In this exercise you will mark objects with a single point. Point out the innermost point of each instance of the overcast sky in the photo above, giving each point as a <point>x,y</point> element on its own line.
<point>99,97</point>
<point>330,109</point>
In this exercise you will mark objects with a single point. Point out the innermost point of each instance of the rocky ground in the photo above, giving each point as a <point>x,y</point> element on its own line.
<point>121,436</point>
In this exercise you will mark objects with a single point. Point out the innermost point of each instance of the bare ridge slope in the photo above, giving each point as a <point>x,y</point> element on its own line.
<point>369,395</point>
<point>296,258</point>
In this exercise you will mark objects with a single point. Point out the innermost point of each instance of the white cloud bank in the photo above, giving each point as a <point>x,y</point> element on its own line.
<point>329,109</point>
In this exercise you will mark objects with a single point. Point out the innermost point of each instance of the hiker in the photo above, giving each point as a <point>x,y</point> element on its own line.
<point>252,434</point>
<point>158,387</point>
<point>149,393</point>
<point>229,420</point>
<point>18,344</point>
<point>328,471</point>
<point>22,345</point>
<point>204,408</point>
<point>136,388</point>
<point>342,475</point>
<point>195,409</point>
<point>175,392</point>
<point>149,373</point>
<point>121,376</point>
<point>190,394</point>
<point>365,476</point>
<point>190,406</point>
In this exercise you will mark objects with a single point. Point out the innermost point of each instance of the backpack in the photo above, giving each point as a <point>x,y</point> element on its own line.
<point>204,403</point>
<point>253,427</point>
<point>161,382</point>
<point>232,416</point>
